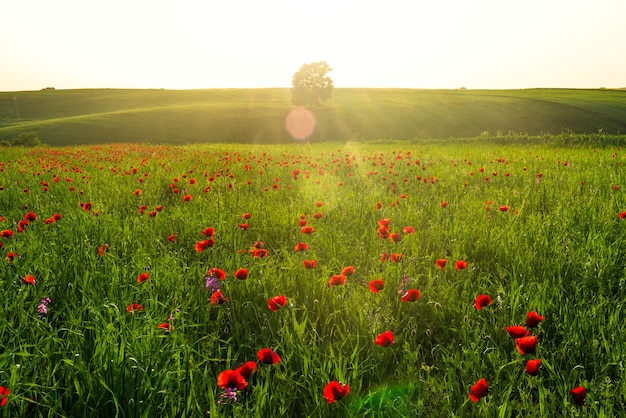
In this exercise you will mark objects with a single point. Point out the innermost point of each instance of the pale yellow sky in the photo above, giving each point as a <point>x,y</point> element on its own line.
<point>493,44</point>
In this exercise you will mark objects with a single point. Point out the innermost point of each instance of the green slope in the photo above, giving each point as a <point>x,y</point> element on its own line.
<point>65,117</point>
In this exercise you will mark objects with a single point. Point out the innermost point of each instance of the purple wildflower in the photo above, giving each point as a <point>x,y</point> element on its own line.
<point>229,395</point>
<point>212,283</point>
<point>42,308</point>
<point>403,285</point>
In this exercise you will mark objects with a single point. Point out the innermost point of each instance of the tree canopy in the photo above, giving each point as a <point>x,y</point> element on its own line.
<point>27,139</point>
<point>311,85</point>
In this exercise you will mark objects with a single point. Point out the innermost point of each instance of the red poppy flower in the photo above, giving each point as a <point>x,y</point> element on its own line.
<point>383,233</point>
<point>247,369</point>
<point>243,227</point>
<point>301,246</point>
<point>276,302</point>
<point>159,208</point>
<point>395,237</point>
<point>383,257</point>
<point>231,379</point>
<point>166,326</point>
<point>217,273</point>
<point>526,345</point>
<point>532,367</point>
<point>503,208</point>
<point>578,394</point>
<point>187,198</point>
<point>441,263</point>
<point>347,271</point>
<point>411,295</point>
<point>384,223</point>
<point>460,265</point>
<point>137,192</point>
<point>377,285</point>
<point>310,264</point>
<point>318,215</point>
<point>246,216</point>
<point>204,244</point>
<point>134,307</point>
<point>11,256</point>
<point>142,277</point>
<point>395,258</point>
<point>379,205</point>
<point>30,280</point>
<point>335,391</point>
<point>533,319</point>
<point>172,238</point>
<point>142,209</point>
<point>337,280</point>
<point>241,274</point>
<point>408,230</point>
<point>30,216</point>
<point>103,249</point>
<point>319,204</point>
<point>479,390</point>
<point>7,233</point>
<point>517,331</point>
<point>4,395</point>
<point>267,356</point>
<point>444,204</point>
<point>21,226</point>
<point>482,301</point>
<point>384,339</point>
<point>259,253</point>
<point>218,298</point>
<point>208,232</point>
<point>307,229</point>
<point>622,215</point>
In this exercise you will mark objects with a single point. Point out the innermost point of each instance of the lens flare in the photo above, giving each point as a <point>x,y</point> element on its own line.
<point>300,123</point>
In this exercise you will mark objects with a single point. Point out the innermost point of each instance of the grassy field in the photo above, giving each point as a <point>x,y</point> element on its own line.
<point>69,117</point>
<point>111,257</point>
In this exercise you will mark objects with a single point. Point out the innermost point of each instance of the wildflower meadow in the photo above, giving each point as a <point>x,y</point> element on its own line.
<point>434,278</point>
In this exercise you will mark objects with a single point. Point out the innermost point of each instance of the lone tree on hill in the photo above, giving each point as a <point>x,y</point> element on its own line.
<point>311,85</point>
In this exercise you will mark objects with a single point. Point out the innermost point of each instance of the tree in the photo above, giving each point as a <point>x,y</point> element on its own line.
<point>27,139</point>
<point>311,86</point>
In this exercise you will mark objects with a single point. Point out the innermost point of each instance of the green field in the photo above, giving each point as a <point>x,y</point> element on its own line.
<point>538,225</point>
<point>113,235</point>
<point>69,117</point>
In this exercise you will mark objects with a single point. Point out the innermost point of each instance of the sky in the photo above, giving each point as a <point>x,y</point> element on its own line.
<point>195,44</point>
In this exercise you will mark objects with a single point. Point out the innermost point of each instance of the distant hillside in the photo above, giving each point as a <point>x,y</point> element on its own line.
<point>67,117</point>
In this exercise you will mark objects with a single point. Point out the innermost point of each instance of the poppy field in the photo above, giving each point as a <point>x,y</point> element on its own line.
<point>441,278</point>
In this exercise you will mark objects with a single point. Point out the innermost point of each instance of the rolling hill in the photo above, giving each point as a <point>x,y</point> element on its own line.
<point>90,116</point>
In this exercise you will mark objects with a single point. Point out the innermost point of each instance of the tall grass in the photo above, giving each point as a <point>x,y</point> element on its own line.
<point>558,250</point>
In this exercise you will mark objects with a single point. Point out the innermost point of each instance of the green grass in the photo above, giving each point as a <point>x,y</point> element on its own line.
<point>64,117</point>
<point>558,250</point>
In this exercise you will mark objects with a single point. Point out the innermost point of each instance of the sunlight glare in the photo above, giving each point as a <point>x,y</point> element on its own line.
<point>300,123</point>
